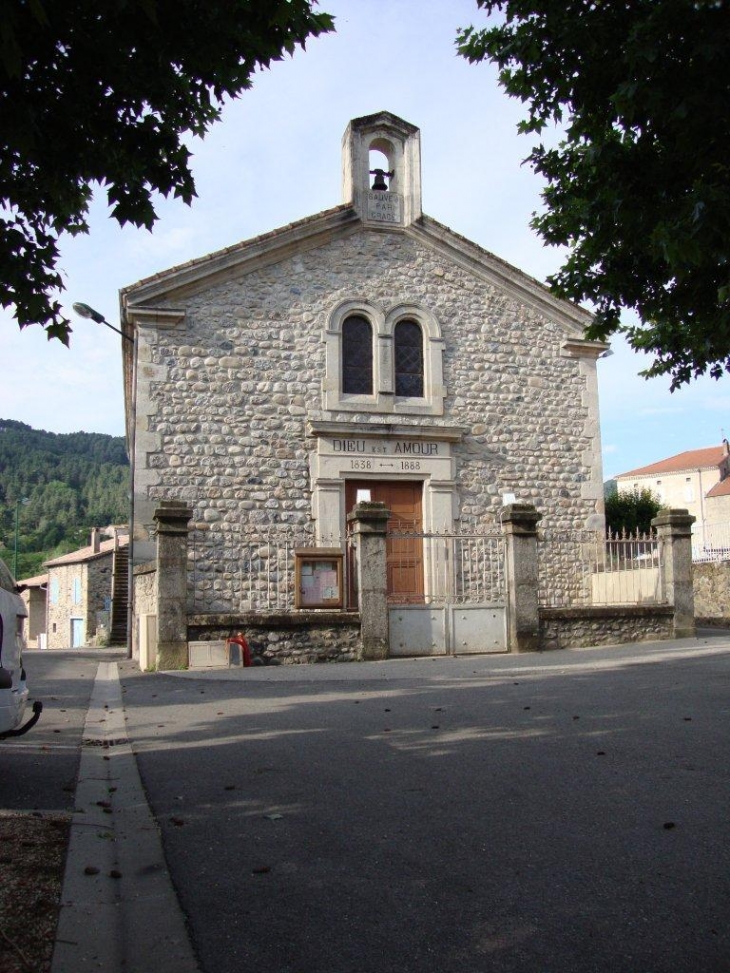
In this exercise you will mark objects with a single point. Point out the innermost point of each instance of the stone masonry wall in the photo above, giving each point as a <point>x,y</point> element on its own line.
<point>286,639</point>
<point>225,397</point>
<point>145,600</point>
<point>94,587</point>
<point>35,603</point>
<point>712,590</point>
<point>565,628</point>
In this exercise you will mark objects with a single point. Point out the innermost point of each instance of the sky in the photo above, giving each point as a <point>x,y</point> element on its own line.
<point>275,157</point>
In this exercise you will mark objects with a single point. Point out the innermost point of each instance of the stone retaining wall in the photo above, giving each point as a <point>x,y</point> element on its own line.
<point>570,628</point>
<point>711,584</point>
<point>286,639</point>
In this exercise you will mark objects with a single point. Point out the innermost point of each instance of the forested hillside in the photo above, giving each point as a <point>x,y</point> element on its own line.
<point>71,481</point>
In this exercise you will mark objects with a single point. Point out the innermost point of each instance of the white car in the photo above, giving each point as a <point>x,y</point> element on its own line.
<point>13,688</point>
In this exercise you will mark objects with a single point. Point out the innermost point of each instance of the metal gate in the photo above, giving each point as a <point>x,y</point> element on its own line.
<point>458,603</point>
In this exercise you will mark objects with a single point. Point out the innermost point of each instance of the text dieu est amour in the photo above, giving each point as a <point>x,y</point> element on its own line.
<point>398,448</point>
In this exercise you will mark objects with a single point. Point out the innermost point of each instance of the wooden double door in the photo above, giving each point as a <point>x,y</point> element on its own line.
<point>404,499</point>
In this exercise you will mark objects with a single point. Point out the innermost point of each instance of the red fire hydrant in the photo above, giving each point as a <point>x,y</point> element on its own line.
<point>240,639</point>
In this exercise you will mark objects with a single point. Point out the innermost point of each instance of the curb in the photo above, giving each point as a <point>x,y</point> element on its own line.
<point>119,911</point>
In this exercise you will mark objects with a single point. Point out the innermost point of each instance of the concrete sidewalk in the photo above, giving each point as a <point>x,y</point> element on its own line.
<point>118,907</point>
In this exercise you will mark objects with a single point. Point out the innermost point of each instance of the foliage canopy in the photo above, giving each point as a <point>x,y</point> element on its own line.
<point>61,485</point>
<point>103,94</point>
<point>639,188</point>
<point>631,512</point>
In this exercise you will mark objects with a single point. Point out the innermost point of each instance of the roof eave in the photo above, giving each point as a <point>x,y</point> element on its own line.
<point>244,257</point>
<point>82,557</point>
<point>504,275</point>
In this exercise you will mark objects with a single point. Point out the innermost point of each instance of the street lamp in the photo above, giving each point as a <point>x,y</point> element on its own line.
<point>85,311</point>
<point>15,548</point>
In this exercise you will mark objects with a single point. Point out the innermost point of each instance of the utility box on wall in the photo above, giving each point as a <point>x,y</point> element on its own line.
<point>318,577</point>
<point>209,655</point>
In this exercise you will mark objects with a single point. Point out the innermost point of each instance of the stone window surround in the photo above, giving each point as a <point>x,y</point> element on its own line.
<point>384,399</point>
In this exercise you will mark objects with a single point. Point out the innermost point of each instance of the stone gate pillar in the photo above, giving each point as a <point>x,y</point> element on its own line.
<point>674,530</point>
<point>519,526</point>
<point>369,525</point>
<point>172,518</point>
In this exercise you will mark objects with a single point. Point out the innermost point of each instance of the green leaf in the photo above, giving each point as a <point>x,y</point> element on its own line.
<point>135,76</point>
<point>638,191</point>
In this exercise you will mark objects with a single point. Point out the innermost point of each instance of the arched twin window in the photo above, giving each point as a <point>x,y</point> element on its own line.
<point>384,361</point>
<point>357,358</point>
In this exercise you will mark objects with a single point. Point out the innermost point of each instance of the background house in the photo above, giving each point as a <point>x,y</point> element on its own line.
<point>87,594</point>
<point>34,595</point>
<point>697,479</point>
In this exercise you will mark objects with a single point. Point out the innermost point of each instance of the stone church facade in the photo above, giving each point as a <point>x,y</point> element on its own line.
<point>365,352</point>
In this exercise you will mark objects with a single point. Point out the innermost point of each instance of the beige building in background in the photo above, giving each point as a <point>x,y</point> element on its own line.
<point>86,593</point>
<point>697,480</point>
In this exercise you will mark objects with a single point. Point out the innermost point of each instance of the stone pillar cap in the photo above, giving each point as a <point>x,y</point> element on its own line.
<point>674,517</point>
<point>369,510</point>
<point>169,511</point>
<point>520,513</point>
<point>164,505</point>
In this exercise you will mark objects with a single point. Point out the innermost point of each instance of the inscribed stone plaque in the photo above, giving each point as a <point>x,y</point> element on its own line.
<point>384,207</point>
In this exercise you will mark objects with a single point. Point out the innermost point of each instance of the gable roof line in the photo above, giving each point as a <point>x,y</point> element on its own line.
<point>721,489</point>
<point>87,553</point>
<point>496,270</point>
<point>37,581</point>
<point>334,223</point>
<point>708,457</point>
<point>384,119</point>
<point>268,246</point>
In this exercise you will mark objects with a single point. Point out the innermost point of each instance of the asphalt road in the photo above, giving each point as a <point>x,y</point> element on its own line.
<point>38,771</point>
<point>565,813</point>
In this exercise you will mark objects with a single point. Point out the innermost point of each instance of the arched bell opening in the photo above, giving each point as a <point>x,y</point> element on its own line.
<point>381,165</point>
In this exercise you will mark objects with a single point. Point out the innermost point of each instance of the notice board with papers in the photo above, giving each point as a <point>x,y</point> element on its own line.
<point>318,577</point>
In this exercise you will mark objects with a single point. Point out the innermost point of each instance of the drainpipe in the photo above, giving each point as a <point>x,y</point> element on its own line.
<point>131,440</point>
<point>702,508</point>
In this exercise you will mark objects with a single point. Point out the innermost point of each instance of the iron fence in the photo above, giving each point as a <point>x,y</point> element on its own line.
<point>442,568</point>
<point>711,542</point>
<point>236,569</point>
<point>580,568</point>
